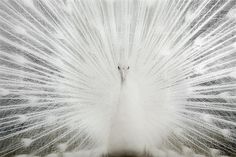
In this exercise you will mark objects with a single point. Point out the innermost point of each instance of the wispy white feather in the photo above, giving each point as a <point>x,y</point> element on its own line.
<point>61,89</point>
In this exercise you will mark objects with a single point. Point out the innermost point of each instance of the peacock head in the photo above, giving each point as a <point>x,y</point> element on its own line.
<point>123,69</point>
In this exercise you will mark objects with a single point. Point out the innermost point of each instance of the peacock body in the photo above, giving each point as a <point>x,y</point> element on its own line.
<point>96,77</point>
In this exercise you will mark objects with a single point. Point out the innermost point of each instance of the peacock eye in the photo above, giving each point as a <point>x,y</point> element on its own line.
<point>119,67</point>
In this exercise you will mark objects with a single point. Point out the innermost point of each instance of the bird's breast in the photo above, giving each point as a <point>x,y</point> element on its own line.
<point>127,130</point>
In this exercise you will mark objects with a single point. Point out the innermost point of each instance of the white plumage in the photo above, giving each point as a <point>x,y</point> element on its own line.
<point>127,130</point>
<point>91,77</point>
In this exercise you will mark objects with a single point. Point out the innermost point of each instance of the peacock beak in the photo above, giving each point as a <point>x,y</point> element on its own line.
<point>123,75</point>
